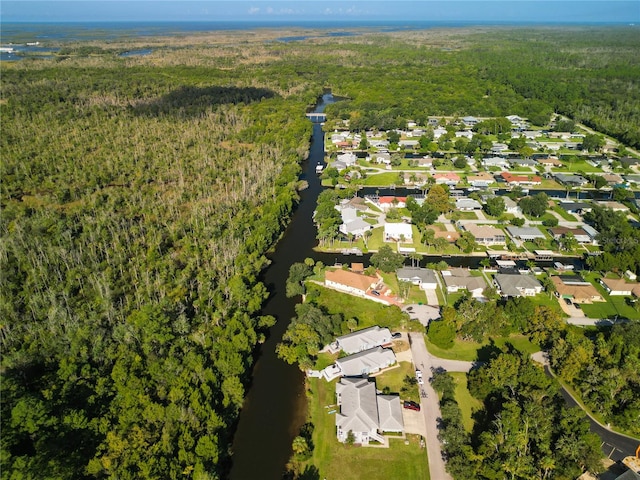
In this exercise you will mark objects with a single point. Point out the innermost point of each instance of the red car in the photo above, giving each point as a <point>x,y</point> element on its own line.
<point>408,404</point>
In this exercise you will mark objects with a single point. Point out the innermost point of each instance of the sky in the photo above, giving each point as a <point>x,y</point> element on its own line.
<point>301,11</point>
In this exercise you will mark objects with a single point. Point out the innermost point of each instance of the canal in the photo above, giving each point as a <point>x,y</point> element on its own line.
<point>275,405</point>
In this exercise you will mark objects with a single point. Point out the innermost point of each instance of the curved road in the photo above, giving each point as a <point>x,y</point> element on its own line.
<point>615,445</point>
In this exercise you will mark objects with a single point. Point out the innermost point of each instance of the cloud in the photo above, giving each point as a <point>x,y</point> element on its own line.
<point>254,10</point>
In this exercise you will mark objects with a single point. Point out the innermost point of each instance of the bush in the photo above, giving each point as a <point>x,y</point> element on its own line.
<point>516,221</point>
<point>550,222</point>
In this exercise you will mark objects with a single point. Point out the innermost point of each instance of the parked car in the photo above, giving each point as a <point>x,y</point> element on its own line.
<point>567,301</point>
<point>419,377</point>
<point>376,293</point>
<point>409,405</point>
<point>396,335</point>
<point>577,305</point>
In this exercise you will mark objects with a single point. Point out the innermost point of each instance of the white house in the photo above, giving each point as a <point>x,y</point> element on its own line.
<point>366,362</point>
<point>362,340</point>
<point>424,277</point>
<point>467,204</point>
<point>349,158</point>
<point>398,232</point>
<point>364,413</point>
<point>516,285</point>
<point>461,279</point>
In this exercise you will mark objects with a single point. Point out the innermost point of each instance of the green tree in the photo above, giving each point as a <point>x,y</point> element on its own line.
<point>494,206</point>
<point>386,259</point>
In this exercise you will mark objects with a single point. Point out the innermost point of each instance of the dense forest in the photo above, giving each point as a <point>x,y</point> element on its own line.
<point>141,194</point>
<point>138,204</point>
<point>523,431</point>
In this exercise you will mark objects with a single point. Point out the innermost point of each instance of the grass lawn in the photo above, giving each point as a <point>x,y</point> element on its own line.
<point>367,312</point>
<point>467,403</point>
<point>471,351</point>
<point>564,214</point>
<point>612,307</point>
<point>337,461</point>
<point>394,379</point>
<point>381,179</point>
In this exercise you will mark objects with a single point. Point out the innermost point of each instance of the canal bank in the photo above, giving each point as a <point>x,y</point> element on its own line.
<point>275,404</point>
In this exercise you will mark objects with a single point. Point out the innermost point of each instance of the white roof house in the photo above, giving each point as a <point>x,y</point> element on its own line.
<point>394,232</point>
<point>364,413</point>
<point>366,362</point>
<point>424,277</point>
<point>515,285</point>
<point>348,158</point>
<point>356,227</point>
<point>362,340</point>
<point>461,279</point>
<point>467,204</point>
<point>525,233</point>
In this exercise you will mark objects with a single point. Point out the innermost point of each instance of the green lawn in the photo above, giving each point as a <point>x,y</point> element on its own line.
<point>471,351</point>
<point>467,403</point>
<point>337,461</point>
<point>394,379</point>
<point>367,312</point>
<point>564,214</point>
<point>381,179</point>
<point>612,307</point>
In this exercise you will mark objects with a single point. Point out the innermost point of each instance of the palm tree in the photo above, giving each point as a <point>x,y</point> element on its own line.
<point>365,237</point>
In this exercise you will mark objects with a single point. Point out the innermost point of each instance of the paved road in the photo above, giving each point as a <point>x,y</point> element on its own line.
<point>430,408</point>
<point>616,446</point>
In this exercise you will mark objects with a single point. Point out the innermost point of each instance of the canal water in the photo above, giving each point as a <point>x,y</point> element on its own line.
<point>275,406</point>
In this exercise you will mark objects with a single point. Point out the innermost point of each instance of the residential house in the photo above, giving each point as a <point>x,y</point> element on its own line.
<point>579,233</point>
<point>522,162</point>
<point>457,279</point>
<point>613,178</point>
<point>510,206</point>
<point>632,179</point>
<point>520,180</point>
<point>438,132</point>
<point>388,202</point>
<point>495,162</point>
<point>481,180</point>
<point>356,227</point>
<point>499,147</point>
<point>529,134</point>
<point>468,134</point>
<point>425,162</point>
<point>470,121</point>
<point>485,234</point>
<point>619,286</point>
<point>450,179</point>
<point>525,233</point>
<point>398,232</point>
<point>349,158</point>
<point>366,362</point>
<point>424,277</point>
<point>571,180</point>
<point>409,144</point>
<point>516,285</point>
<point>349,282</point>
<point>364,413</point>
<point>550,162</point>
<point>361,340</point>
<point>576,288</point>
<point>467,204</point>
<point>629,161</point>
<point>433,122</point>
<point>575,207</point>
<point>615,206</point>
<point>382,158</point>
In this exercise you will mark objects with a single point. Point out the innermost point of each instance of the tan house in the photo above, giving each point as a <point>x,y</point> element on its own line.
<point>350,282</point>
<point>576,289</point>
<point>619,286</point>
<point>486,234</point>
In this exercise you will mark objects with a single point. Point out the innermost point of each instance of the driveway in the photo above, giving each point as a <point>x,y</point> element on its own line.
<point>429,408</point>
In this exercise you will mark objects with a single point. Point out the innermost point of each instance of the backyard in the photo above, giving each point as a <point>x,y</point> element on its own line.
<point>346,462</point>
